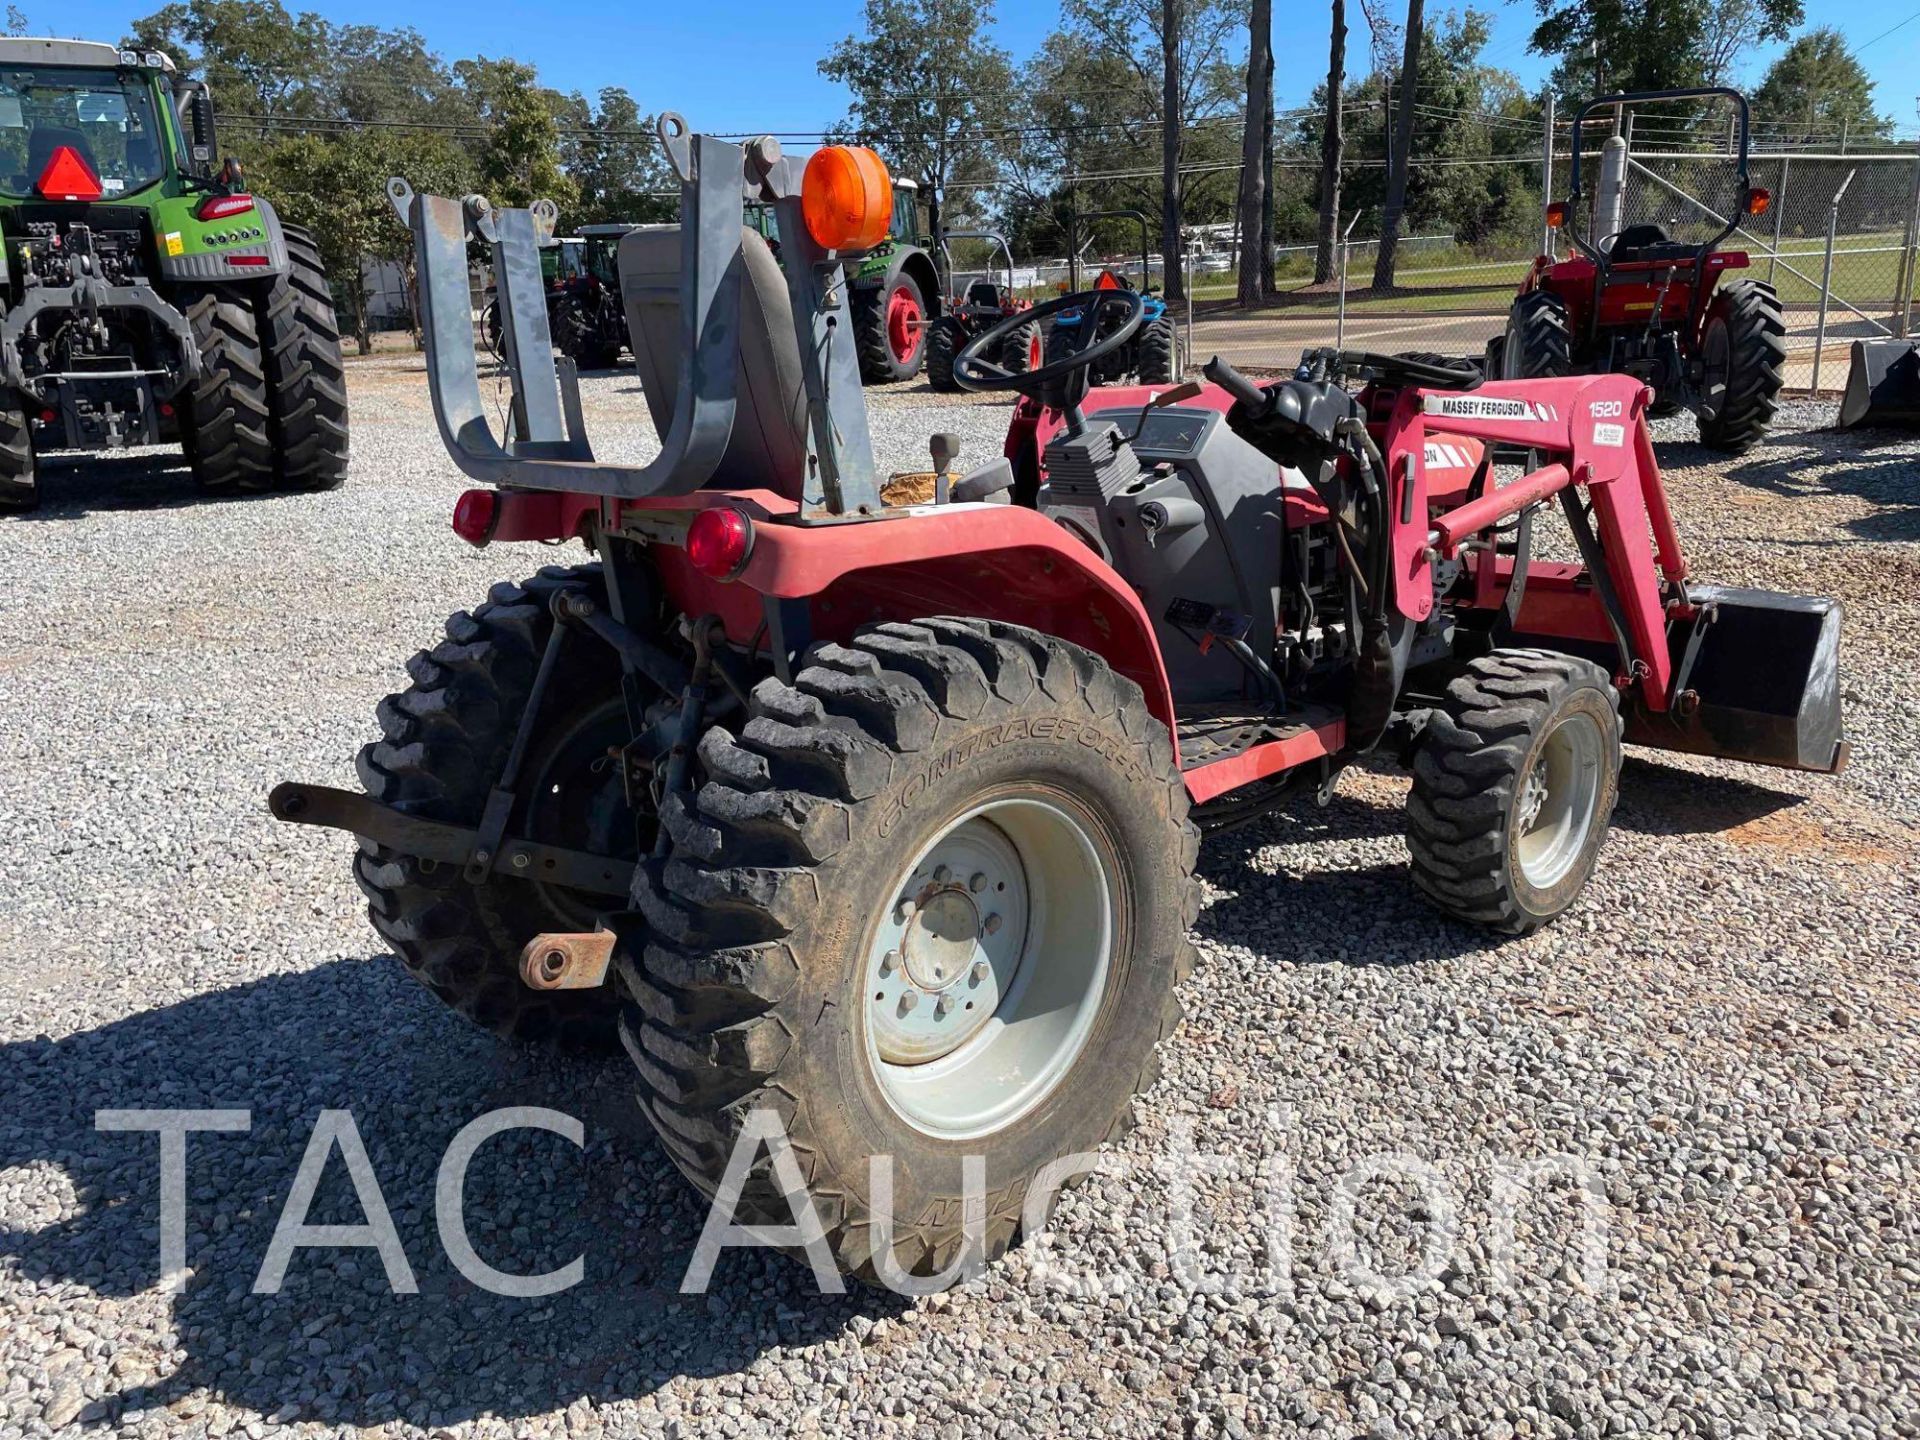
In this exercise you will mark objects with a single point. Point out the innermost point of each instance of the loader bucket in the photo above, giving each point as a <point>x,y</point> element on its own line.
<point>1883,387</point>
<point>1758,680</point>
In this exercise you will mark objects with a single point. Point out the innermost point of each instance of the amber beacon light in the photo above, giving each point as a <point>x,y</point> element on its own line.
<point>846,197</point>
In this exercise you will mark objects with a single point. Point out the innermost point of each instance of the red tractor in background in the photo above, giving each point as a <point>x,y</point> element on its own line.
<point>986,303</point>
<point>1634,301</point>
<point>873,828</point>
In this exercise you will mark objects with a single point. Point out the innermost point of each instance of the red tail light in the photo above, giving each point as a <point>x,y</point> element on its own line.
<point>68,176</point>
<point>222,207</point>
<point>475,514</point>
<point>719,541</point>
<point>250,260</point>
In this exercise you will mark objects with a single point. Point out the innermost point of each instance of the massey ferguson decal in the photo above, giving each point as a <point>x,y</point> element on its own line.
<point>1485,407</point>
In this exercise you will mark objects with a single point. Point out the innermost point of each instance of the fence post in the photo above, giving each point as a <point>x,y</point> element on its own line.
<point>1546,182</point>
<point>1346,254</point>
<point>1186,278</point>
<point>1826,278</point>
<point>1909,261</point>
<point>1779,216</point>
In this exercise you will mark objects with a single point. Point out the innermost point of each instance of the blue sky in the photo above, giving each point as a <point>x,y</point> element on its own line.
<point>749,64</point>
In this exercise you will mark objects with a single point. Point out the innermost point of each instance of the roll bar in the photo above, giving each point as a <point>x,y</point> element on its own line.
<point>1638,97</point>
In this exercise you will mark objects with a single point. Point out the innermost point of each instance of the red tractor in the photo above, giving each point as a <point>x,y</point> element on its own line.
<point>1635,301</point>
<point>987,302</point>
<point>873,829</point>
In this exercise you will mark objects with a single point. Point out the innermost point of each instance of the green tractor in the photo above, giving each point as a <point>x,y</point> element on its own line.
<point>896,295</point>
<point>146,299</point>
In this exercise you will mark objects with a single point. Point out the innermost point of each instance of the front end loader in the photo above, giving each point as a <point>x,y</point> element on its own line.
<point>871,830</point>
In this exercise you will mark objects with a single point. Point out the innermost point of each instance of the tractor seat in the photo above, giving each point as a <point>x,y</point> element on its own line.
<point>984,292</point>
<point>1647,242</point>
<point>768,448</point>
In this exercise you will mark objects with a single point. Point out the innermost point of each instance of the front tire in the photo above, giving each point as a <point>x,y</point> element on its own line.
<point>19,472</point>
<point>444,743</point>
<point>1159,352</point>
<point>1743,347</point>
<point>306,379</point>
<point>768,985</point>
<point>1022,351</point>
<point>227,429</point>
<point>943,343</point>
<point>1513,788</point>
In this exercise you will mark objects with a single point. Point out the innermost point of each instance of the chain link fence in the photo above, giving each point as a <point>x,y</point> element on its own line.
<point>1837,241</point>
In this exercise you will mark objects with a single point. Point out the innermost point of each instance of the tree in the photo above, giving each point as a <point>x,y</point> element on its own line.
<point>1166,101</point>
<point>1817,91</point>
<point>261,61</point>
<point>1331,141</point>
<point>1614,45</point>
<point>927,84</point>
<point>519,160</point>
<point>614,159</point>
<point>1255,243</point>
<point>1400,157</point>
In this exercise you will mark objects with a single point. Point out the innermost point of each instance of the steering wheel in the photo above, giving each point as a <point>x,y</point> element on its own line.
<point>1048,384</point>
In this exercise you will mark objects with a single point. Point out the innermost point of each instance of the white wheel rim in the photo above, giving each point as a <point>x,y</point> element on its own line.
<point>985,973</point>
<point>1558,801</point>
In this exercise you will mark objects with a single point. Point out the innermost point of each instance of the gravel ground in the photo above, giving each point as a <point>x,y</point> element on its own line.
<point>1725,1036</point>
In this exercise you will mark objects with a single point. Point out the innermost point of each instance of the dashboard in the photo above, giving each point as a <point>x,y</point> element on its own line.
<point>1173,432</point>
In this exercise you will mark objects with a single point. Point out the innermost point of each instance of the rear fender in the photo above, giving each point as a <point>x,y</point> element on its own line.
<point>992,562</point>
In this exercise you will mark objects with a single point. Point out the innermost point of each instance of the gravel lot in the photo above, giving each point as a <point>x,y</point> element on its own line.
<point>1726,1035</point>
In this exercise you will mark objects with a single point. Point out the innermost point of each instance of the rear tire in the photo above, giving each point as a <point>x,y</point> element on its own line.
<point>1744,346</point>
<point>1539,339</point>
<point>943,343</point>
<point>19,471</point>
<point>1159,352</point>
<point>306,380</point>
<point>444,742</point>
<point>1513,788</point>
<point>882,360</point>
<point>227,429</point>
<point>759,989</point>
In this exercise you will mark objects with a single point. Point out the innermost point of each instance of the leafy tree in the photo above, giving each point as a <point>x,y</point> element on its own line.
<point>927,87</point>
<point>261,61</point>
<point>614,158</point>
<point>1607,46</point>
<point>1096,106</point>
<point>519,160</point>
<point>1816,90</point>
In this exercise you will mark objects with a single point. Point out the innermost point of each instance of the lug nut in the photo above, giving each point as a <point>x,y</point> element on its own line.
<point>909,1000</point>
<point>888,961</point>
<point>978,882</point>
<point>993,924</point>
<point>980,972</point>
